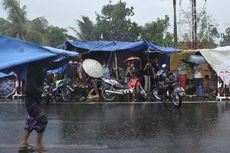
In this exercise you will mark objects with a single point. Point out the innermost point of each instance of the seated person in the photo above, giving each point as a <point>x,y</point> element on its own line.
<point>190,90</point>
<point>171,77</point>
<point>93,92</point>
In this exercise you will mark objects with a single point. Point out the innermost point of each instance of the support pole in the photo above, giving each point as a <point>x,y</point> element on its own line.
<point>115,59</point>
<point>175,24</point>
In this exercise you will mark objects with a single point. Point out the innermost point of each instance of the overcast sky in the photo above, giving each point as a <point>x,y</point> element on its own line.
<point>64,13</point>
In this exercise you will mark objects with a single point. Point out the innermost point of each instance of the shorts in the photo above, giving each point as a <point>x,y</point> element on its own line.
<point>37,119</point>
<point>37,124</point>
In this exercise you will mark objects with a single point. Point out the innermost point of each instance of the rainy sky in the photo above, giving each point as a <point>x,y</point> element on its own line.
<point>64,13</point>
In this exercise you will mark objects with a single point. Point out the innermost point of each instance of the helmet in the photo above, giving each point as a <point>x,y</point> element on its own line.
<point>161,74</point>
<point>163,65</point>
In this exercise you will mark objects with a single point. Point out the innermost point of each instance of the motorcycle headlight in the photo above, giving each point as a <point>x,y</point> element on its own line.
<point>180,91</point>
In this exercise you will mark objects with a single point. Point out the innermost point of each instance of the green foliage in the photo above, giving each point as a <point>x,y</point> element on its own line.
<point>36,30</point>
<point>208,32</point>
<point>17,19</point>
<point>87,29</point>
<point>5,27</point>
<point>57,36</point>
<point>156,32</point>
<point>225,37</point>
<point>113,23</point>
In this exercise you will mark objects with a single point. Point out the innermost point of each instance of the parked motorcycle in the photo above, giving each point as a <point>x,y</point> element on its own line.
<point>111,88</point>
<point>167,88</point>
<point>59,90</point>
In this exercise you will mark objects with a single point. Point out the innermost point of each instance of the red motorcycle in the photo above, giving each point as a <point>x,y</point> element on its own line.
<point>111,88</point>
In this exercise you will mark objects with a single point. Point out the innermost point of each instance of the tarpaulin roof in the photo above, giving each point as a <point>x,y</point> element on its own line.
<point>117,46</point>
<point>107,45</point>
<point>161,49</point>
<point>218,58</point>
<point>15,52</point>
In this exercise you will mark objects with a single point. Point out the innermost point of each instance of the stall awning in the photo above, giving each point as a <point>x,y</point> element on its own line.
<point>15,52</point>
<point>218,58</point>
<point>107,46</point>
<point>161,49</point>
<point>117,46</point>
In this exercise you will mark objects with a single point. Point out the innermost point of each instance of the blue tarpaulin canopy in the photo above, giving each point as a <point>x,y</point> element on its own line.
<point>106,45</point>
<point>116,46</point>
<point>161,49</point>
<point>14,52</point>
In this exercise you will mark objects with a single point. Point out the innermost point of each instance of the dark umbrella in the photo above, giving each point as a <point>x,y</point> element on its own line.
<point>195,59</point>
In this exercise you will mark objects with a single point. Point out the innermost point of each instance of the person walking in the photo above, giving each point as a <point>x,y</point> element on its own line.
<point>36,119</point>
<point>34,75</point>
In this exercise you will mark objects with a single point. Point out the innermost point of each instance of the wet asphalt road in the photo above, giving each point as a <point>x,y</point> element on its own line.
<point>124,128</point>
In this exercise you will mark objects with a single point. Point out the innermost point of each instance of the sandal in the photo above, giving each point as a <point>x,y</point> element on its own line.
<point>24,147</point>
<point>40,149</point>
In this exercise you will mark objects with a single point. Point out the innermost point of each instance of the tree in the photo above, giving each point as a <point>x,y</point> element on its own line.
<point>4,28</point>
<point>87,29</point>
<point>115,23</point>
<point>156,32</point>
<point>57,36</point>
<point>207,31</point>
<point>37,30</point>
<point>19,26</point>
<point>225,37</point>
<point>16,19</point>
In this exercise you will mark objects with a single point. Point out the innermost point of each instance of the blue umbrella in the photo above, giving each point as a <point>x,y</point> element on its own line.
<point>196,59</point>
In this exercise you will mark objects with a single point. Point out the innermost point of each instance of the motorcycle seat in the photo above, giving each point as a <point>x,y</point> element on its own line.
<point>118,80</point>
<point>123,86</point>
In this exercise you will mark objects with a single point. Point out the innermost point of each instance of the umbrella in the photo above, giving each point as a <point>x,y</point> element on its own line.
<point>93,68</point>
<point>132,58</point>
<point>196,59</point>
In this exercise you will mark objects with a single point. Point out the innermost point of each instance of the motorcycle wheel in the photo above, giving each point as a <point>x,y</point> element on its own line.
<point>155,95</point>
<point>66,94</point>
<point>107,96</point>
<point>176,100</point>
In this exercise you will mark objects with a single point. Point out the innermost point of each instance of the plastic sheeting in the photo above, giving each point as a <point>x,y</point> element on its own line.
<point>14,52</point>
<point>161,49</point>
<point>218,58</point>
<point>111,46</point>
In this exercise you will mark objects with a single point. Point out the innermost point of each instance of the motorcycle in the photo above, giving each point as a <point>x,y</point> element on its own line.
<point>58,90</point>
<point>111,88</point>
<point>167,88</point>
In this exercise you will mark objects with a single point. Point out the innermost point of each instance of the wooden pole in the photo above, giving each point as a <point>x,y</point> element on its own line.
<point>115,59</point>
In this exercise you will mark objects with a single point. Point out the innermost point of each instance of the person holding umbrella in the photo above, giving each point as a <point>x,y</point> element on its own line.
<point>37,119</point>
<point>129,73</point>
<point>132,66</point>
